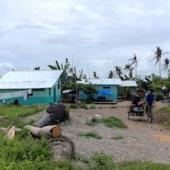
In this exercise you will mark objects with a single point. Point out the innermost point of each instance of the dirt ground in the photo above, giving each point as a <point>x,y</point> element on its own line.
<point>140,141</point>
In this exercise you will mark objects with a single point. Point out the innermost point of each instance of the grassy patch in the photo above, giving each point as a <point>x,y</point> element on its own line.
<point>101,161</point>
<point>118,137</point>
<point>107,121</point>
<point>113,122</point>
<point>142,166</point>
<point>25,153</point>
<point>90,135</point>
<point>163,116</point>
<point>14,111</point>
<point>79,106</point>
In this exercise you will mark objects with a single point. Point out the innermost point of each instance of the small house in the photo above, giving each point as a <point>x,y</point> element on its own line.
<point>106,89</point>
<point>31,87</point>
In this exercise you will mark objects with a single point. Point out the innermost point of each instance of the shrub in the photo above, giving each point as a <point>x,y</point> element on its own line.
<point>159,96</point>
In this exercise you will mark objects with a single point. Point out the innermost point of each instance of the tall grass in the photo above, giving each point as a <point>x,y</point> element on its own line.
<point>14,111</point>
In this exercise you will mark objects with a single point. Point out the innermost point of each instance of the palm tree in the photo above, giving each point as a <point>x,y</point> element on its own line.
<point>158,56</point>
<point>95,75</point>
<point>131,73</point>
<point>57,66</point>
<point>134,61</point>
<point>119,72</point>
<point>111,75</point>
<point>127,67</point>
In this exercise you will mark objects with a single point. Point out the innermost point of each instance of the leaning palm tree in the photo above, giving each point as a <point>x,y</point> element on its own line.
<point>158,56</point>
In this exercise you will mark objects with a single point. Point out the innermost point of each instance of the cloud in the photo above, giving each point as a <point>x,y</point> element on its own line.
<point>97,35</point>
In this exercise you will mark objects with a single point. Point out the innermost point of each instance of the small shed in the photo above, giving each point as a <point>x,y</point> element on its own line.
<point>107,89</point>
<point>34,87</point>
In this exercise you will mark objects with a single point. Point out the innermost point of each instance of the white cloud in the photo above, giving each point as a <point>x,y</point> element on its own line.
<point>102,32</point>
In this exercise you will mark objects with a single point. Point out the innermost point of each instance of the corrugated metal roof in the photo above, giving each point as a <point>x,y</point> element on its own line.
<point>129,83</point>
<point>29,79</point>
<point>105,81</point>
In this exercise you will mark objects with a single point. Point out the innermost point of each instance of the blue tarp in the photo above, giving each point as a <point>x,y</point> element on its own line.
<point>104,92</point>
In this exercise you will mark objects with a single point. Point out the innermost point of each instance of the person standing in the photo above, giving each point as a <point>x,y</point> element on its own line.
<point>149,100</point>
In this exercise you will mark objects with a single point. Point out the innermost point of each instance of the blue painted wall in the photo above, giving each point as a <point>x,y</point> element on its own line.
<point>110,92</point>
<point>39,96</point>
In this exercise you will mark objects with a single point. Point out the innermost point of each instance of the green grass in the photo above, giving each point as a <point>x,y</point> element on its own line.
<point>163,116</point>
<point>15,111</point>
<point>25,153</point>
<point>113,122</point>
<point>109,122</point>
<point>90,135</point>
<point>101,161</point>
<point>118,137</point>
<point>79,106</point>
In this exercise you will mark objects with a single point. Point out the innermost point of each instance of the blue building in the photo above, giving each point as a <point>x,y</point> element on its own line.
<point>106,89</point>
<point>31,87</point>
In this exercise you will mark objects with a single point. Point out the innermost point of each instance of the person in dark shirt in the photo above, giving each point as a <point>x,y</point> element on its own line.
<point>149,104</point>
<point>149,101</point>
<point>150,98</point>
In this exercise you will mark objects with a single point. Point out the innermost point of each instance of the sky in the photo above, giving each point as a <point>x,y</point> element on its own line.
<point>96,35</point>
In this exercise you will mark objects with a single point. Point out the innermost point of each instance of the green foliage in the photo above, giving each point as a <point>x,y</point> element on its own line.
<point>25,153</point>
<point>113,122</point>
<point>107,121</point>
<point>90,135</point>
<point>66,165</point>
<point>142,166</point>
<point>101,161</point>
<point>164,117</point>
<point>12,112</point>
<point>159,96</point>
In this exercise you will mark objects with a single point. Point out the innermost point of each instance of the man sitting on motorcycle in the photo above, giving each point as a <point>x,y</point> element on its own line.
<point>136,102</point>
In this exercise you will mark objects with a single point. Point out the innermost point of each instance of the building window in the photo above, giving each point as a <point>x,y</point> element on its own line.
<point>106,87</point>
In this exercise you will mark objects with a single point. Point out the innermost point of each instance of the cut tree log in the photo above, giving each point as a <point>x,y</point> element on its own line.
<point>10,135</point>
<point>51,131</point>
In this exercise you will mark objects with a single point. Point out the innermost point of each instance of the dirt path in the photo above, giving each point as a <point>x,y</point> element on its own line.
<point>140,141</point>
